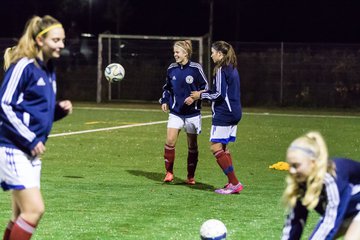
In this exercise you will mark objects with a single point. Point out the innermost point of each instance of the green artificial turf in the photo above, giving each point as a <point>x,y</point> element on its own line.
<point>108,184</point>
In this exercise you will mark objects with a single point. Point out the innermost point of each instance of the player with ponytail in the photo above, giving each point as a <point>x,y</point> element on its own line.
<point>226,107</point>
<point>27,111</point>
<point>330,187</point>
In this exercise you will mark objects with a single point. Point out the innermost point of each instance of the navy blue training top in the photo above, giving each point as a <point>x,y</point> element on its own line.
<point>28,104</point>
<point>180,81</point>
<point>225,97</point>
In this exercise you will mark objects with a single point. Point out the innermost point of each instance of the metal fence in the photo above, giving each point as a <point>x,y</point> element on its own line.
<point>299,74</point>
<point>272,74</point>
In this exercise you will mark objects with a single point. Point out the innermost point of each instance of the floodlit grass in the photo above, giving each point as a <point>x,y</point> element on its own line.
<point>108,184</point>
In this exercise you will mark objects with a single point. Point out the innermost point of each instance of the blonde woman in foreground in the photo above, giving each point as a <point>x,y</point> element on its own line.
<point>28,108</point>
<point>330,187</point>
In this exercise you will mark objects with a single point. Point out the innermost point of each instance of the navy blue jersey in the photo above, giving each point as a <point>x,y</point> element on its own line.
<point>181,80</point>
<point>28,106</point>
<point>225,97</point>
<point>338,200</point>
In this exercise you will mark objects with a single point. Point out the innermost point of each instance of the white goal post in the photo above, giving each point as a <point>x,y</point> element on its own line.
<point>145,59</point>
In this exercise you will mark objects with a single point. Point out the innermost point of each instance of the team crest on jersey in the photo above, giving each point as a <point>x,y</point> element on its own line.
<point>174,78</point>
<point>189,79</point>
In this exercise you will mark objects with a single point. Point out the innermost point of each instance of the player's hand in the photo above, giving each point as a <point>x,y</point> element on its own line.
<point>195,95</point>
<point>164,107</point>
<point>189,101</point>
<point>38,149</point>
<point>66,106</point>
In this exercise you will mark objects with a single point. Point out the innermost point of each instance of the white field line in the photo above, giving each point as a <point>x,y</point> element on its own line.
<point>244,113</point>
<point>112,128</point>
<point>304,115</point>
<point>165,121</point>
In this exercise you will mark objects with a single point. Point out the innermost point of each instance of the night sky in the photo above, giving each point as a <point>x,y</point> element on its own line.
<point>234,20</point>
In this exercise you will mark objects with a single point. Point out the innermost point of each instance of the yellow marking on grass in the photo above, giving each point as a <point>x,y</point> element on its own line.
<point>95,122</point>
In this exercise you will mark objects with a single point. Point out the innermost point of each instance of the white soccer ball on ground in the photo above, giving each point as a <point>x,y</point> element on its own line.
<point>114,72</point>
<point>213,229</point>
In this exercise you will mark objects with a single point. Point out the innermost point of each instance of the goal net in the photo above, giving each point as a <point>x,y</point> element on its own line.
<point>145,59</point>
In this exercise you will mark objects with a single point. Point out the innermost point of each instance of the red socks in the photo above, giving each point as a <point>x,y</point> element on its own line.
<point>192,161</point>
<point>169,157</point>
<point>20,230</point>
<point>225,162</point>
<point>8,230</point>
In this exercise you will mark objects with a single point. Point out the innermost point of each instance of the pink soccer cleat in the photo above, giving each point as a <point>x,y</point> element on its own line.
<point>230,189</point>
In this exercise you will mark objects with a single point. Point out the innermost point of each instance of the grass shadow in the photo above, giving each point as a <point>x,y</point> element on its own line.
<point>158,177</point>
<point>68,176</point>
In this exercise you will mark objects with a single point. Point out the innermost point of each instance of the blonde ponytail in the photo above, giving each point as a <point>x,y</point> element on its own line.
<point>7,57</point>
<point>314,146</point>
<point>316,179</point>
<point>27,46</point>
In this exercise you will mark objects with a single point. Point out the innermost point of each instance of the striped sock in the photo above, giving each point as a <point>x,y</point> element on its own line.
<point>22,230</point>
<point>225,163</point>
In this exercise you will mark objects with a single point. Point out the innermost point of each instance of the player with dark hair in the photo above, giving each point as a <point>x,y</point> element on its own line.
<point>183,76</point>
<point>28,109</point>
<point>330,187</point>
<point>226,109</point>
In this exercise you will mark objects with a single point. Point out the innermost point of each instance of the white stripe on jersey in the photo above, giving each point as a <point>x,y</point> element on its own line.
<point>355,189</point>
<point>227,100</point>
<point>329,218</point>
<point>199,67</point>
<point>172,65</point>
<point>218,87</point>
<point>174,102</point>
<point>287,228</point>
<point>8,95</point>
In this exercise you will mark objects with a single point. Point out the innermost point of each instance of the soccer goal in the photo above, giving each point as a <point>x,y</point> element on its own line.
<point>145,59</point>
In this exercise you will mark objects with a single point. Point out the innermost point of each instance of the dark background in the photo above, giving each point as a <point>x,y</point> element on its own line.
<point>290,52</point>
<point>234,20</point>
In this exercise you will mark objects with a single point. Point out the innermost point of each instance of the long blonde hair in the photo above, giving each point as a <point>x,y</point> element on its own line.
<point>314,146</point>
<point>229,55</point>
<point>27,46</point>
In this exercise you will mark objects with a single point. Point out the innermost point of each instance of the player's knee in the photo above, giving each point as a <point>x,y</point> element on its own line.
<point>215,147</point>
<point>34,215</point>
<point>38,210</point>
<point>171,142</point>
<point>212,149</point>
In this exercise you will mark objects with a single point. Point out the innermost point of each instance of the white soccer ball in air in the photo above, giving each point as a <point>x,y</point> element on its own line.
<point>213,229</point>
<point>114,72</point>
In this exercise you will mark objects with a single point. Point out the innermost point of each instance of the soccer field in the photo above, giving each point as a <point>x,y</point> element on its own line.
<point>103,170</point>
